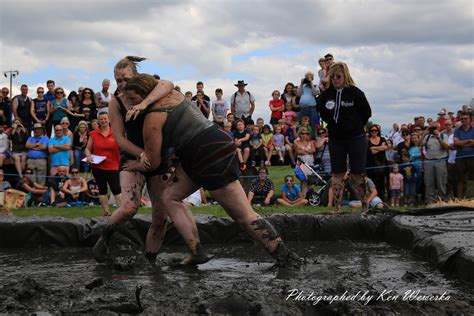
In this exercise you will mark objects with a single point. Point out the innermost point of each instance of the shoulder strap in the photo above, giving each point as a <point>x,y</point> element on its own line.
<point>427,139</point>
<point>161,110</point>
<point>120,102</point>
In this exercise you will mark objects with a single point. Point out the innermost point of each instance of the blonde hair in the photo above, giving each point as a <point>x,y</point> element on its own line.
<point>129,62</point>
<point>340,66</point>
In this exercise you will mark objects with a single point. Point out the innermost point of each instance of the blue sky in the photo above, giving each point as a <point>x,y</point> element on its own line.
<point>410,58</point>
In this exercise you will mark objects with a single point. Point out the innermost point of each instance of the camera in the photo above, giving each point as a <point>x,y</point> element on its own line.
<point>306,81</point>
<point>431,130</point>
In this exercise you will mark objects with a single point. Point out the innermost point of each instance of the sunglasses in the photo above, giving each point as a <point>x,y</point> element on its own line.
<point>40,92</point>
<point>374,131</point>
<point>304,133</point>
<point>26,173</point>
<point>338,76</point>
<point>87,92</point>
<point>321,133</point>
<point>58,130</point>
<point>74,172</point>
<point>4,92</point>
<point>64,123</point>
<point>59,92</point>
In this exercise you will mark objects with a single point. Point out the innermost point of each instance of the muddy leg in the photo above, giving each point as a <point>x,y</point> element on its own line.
<point>338,186</point>
<point>360,184</point>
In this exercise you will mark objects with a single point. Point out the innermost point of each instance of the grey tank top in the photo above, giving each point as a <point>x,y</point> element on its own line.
<point>184,122</point>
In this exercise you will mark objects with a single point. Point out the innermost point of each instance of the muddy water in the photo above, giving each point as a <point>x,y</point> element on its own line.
<point>238,280</point>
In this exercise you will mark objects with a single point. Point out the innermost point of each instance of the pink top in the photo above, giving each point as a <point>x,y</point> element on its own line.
<point>288,115</point>
<point>396,180</point>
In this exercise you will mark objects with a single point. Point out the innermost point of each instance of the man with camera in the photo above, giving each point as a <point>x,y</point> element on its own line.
<point>307,92</point>
<point>436,147</point>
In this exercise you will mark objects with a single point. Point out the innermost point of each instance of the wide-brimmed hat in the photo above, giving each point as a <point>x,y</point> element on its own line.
<point>37,126</point>
<point>240,83</point>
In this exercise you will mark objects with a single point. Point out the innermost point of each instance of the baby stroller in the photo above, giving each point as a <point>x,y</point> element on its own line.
<point>317,186</point>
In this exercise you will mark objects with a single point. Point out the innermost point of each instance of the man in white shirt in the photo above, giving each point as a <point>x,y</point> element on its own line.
<point>242,103</point>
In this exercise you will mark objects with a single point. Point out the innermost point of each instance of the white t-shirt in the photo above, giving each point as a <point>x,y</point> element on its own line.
<point>194,199</point>
<point>219,107</point>
<point>4,143</point>
<point>452,153</point>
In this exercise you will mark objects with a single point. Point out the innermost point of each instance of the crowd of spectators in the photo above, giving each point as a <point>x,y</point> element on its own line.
<point>47,142</point>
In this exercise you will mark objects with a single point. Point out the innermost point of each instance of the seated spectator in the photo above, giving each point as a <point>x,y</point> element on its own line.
<point>19,137</point>
<point>92,192</point>
<point>260,122</point>
<point>256,147</point>
<point>228,129</point>
<point>373,199</point>
<point>188,95</point>
<point>80,137</point>
<point>75,187</point>
<point>291,194</point>
<point>203,104</point>
<point>305,124</point>
<point>37,146</point>
<point>4,185</point>
<point>304,147</point>
<point>289,115</point>
<point>4,146</point>
<point>322,157</point>
<point>59,147</point>
<point>34,191</point>
<point>261,190</point>
<point>278,140</point>
<point>231,119</point>
<point>57,197</point>
<point>267,141</point>
<point>241,138</point>
<point>290,136</point>
<point>197,198</point>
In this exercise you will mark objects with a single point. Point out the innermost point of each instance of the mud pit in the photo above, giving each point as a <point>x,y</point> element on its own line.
<point>239,279</point>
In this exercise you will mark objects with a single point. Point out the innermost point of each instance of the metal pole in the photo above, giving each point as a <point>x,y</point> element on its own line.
<point>12,74</point>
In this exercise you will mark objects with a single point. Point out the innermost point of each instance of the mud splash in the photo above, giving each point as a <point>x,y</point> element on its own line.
<point>237,281</point>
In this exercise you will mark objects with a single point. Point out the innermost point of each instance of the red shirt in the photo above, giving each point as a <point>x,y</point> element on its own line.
<point>105,146</point>
<point>277,104</point>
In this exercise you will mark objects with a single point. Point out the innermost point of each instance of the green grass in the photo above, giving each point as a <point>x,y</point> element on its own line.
<point>277,174</point>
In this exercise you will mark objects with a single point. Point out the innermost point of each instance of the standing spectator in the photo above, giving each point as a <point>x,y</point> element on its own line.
<point>415,159</point>
<point>267,141</point>
<point>410,177</point>
<point>346,130</point>
<point>376,160</point>
<point>256,147</point>
<point>79,143</point>
<point>242,103</point>
<point>19,137</point>
<point>65,125</point>
<point>4,146</point>
<point>436,174</point>
<point>277,105</point>
<point>104,97</point>
<point>464,142</point>
<point>323,157</point>
<point>322,73</point>
<point>21,105</point>
<point>59,148</point>
<point>50,85</point>
<point>59,107</point>
<point>219,108</point>
<point>395,185</point>
<point>391,155</point>
<point>261,190</point>
<point>395,135</point>
<point>76,110</point>
<point>39,108</point>
<point>94,125</point>
<point>75,187</point>
<point>37,146</point>
<point>329,59</point>
<point>241,138</point>
<point>279,143</point>
<point>308,92</point>
<point>34,191</point>
<point>291,194</point>
<point>203,105</point>
<point>200,88</point>
<point>87,100</point>
<point>102,143</point>
<point>452,179</point>
<point>289,95</point>
<point>441,119</point>
<point>405,145</point>
<point>5,108</point>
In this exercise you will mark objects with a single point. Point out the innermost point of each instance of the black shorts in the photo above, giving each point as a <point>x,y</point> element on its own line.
<point>354,148</point>
<point>210,159</point>
<point>104,177</point>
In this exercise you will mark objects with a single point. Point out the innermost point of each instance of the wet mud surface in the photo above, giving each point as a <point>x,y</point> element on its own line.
<point>238,281</point>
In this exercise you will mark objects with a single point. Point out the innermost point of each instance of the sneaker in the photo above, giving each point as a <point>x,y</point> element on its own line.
<point>41,204</point>
<point>292,165</point>
<point>282,161</point>
<point>262,163</point>
<point>268,163</point>
<point>243,166</point>
<point>253,163</point>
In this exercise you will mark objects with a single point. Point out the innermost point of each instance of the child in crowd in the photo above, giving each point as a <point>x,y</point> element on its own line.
<point>408,171</point>
<point>305,124</point>
<point>256,147</point>
<point>231,119</point>
<point>282,124</point>
<point>277,106</point>
<point>188,95</point>
<point>289,114</point>
<point>241,138</point>
<point>267,140</point>
<point>290,135</point>
<point>219,108</point>
<point>396,185</point>
<point>279,143</point>
<point>260,122</point>
<point>228,129</point>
